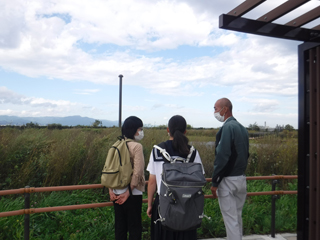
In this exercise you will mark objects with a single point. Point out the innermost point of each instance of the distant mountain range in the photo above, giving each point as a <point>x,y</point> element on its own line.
<point>64,121</point>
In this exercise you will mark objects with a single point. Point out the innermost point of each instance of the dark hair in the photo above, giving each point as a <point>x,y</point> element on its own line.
<point>130,126</point>
<point>177,127</point>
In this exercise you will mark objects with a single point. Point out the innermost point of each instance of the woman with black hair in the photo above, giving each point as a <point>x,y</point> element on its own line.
<point>128,202</point>
<point>176,146</point>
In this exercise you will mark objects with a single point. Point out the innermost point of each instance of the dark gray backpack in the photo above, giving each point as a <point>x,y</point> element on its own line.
<point>181,199</point>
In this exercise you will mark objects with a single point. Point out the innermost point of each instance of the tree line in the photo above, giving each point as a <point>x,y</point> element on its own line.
<point>278,128</point>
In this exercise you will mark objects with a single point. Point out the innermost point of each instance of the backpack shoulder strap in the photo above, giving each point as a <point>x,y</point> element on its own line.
<point>160,154</point>
<point>121,138</point>
<point>164,153</point>
<point>157,156</point>
<point>192,154</point>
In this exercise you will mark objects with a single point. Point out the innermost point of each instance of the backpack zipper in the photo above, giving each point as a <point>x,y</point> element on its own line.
<point>109,172</point>
<point>169,185</point>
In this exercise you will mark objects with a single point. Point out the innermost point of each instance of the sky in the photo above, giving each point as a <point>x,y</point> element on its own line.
<point>63,58</point>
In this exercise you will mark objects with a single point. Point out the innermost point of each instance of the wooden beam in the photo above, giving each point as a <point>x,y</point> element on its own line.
<point>316,27</point>
<point>245,25</point>
<point>245,7</point>
<point>281,10</point>
<point>305,18</point>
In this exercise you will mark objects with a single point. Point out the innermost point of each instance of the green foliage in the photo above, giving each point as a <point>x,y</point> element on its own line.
<point>43,157</point>
<point>97,123</point>
<point>288,127</point>
<point>254,127</point>
<point>200,133</point>
<point>54,126</point>
<point>288,134</point>
<point>273,155</point>
<point>161,127</point>
<point>32,125</point>
<point>98,223</point>
<point>52,157</point>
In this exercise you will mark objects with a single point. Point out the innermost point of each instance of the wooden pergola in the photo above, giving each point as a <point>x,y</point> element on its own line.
<point>264,25</point>
<point>308,225</point>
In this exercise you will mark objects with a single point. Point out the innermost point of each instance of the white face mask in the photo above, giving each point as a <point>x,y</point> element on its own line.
<point>140,136</point>
<point>218,116</point>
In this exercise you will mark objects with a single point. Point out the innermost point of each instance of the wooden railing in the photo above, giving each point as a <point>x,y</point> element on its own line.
<point>28,190</point>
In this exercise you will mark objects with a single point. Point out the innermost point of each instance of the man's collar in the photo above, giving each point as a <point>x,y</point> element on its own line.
<point>227,120</point>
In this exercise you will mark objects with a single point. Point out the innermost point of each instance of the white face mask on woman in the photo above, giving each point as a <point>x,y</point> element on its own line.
<point>218,116</point>
<point>140,136</point>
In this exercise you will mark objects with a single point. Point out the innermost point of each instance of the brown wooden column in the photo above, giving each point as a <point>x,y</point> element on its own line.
<point>308,225</point>
<point>318,145</point>
<point>314,187</point>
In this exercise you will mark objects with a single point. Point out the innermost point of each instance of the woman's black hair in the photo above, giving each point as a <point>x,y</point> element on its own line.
<point>177,127</point>
<point>130,126</point>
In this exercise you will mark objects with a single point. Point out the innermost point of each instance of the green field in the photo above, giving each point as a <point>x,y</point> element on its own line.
<point>43,157</point>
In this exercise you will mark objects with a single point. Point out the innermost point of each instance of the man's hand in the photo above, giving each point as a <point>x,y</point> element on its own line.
<point>214,191</point>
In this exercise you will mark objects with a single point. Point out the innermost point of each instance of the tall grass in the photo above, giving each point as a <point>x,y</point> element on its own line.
<point>273,155</point>
<point>43,157</point>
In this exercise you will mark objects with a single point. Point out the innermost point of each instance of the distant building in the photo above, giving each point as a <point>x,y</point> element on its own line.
<point>266,128</point>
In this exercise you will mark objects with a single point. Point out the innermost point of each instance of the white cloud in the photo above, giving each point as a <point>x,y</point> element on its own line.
<point>20,105</point>
<point>220,39</point>
<point>265,105</point>
<point>8,112</point>
<point>8,96</point>
<point>70,40</point>
<point>135,108</point>
<point>142,24</point>
<point>252,62</point>
<point>86,91</point>
<point>49,45</point>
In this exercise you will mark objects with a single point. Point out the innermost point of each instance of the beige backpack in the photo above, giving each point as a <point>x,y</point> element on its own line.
<point>117,170</point>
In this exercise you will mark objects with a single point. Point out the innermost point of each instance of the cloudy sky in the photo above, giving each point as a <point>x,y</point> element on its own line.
<point>63,58</point>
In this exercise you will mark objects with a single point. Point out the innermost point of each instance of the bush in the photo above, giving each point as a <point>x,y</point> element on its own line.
<point>273,155</point>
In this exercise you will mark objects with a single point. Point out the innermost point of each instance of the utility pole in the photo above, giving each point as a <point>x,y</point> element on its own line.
<point>120,98</point>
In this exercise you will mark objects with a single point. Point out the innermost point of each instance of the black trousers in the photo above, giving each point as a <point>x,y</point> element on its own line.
<point>128,218</point>
<point>159,233</point>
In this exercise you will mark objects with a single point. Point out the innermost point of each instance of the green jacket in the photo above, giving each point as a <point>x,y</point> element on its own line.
<point>232,151</point>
